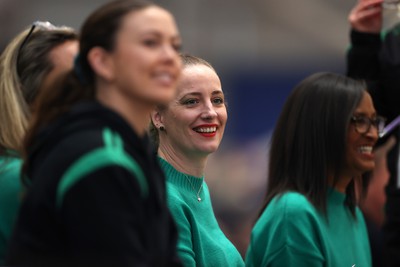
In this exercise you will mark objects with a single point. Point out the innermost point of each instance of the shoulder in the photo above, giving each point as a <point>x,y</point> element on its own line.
<point>291,203</point>
<point>176,200</point>
<point>289,210</point>
<point>288,228</point>
<point>110,154</point>
<point>10,174</point>
<point>10,164</point>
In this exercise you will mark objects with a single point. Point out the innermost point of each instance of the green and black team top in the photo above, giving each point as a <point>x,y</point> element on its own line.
<point>96,197</point>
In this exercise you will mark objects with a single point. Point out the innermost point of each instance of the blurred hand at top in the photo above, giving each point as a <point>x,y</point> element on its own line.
<point>366,16</point>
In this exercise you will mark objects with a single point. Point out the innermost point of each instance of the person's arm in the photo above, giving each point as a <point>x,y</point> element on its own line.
<point>297,244</point>
<point>363,56</point>
<point>287,234</point>
<point>185,243</point>
<point>104,219</point>
<point>366,22</point>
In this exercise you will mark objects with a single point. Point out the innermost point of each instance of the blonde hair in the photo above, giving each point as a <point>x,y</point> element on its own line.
<point>23,65</point>
<point>14,109</point>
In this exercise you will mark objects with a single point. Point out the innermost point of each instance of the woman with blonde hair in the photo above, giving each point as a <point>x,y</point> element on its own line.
<point>189,129</point>
<point>31,59</point>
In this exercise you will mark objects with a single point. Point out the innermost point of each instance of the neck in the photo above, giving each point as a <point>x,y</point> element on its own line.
<point>134,111</point>
<point>341,184</point>
<point>191,165</point>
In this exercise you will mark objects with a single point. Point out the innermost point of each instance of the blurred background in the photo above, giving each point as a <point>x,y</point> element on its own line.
<point>261,49</point>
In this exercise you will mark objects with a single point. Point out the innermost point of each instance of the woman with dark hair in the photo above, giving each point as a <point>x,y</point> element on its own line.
<point>322,144</point>
<point>31,59</point>
<point>96,192</point>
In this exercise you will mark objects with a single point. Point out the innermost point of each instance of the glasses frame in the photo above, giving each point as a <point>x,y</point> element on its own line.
<point>378,122</point>
<point>44,25</point>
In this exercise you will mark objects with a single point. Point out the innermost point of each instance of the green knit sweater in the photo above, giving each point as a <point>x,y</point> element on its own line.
<point>201,241</point>
<point>10,198</point>
<point>291,232</point>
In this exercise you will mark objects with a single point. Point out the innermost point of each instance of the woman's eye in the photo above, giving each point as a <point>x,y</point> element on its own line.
<point>177,47</point>
<point>190,102</point>
<point>150,43</point>
<point>218,100</point>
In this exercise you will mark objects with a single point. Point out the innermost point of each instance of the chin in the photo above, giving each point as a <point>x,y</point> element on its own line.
<point>208,150</point>
<point>367,167</point>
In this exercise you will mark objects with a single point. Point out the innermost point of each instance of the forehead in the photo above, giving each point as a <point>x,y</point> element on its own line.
<point>64,54</point>
<point>149,19</point>
<point>366,105</point>
<point>198,78</point>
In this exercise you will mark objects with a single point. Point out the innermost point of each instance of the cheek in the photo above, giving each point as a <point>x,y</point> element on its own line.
<point>130,59</point>
<point>223,115</point>
<point>352,139</point>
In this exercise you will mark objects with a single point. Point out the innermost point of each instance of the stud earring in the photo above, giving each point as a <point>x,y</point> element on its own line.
<point>162,128</point>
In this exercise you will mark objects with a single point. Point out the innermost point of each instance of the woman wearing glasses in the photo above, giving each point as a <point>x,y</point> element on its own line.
<point>30,60</point>
<point>97,193</point>
<point>374,57</point>
<point>322,144</point>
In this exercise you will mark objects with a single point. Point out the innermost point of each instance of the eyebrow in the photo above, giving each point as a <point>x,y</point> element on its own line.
<point>363,114</point>
<point>216,92</point>
<point>158,34</point>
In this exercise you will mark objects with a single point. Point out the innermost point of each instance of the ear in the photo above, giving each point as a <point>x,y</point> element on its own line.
<point>156,118</point>
<point>101,62</point>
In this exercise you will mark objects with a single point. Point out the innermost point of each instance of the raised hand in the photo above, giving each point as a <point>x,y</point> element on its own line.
<point>366,16</point>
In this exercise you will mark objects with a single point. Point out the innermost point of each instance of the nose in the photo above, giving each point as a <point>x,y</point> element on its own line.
<point>372,133</point>
<point>169,52</point>
<point>209,112</point>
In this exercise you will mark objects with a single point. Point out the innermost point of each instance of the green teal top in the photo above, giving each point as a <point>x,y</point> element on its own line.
<point>10,198</point>
<point>201,241</point>
<point>291,232</point>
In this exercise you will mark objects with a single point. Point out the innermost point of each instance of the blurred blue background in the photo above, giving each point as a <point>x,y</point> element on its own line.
<point>260,49</point>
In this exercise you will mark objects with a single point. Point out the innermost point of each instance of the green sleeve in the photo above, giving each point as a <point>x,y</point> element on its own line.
<point>292,256</point>
<point>287,234</point>
<point>185,244</point>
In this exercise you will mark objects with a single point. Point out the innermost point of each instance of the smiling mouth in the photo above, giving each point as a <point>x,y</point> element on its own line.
<point>205,129</point>
<point>165,78</point>
<point>365,150</point>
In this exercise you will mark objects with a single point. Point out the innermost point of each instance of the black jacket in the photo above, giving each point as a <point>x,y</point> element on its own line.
<point>376,59</point>
<point>97,197</point>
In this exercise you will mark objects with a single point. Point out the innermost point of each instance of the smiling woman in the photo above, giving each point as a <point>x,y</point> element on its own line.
<point>188,130</point>
<point>319,149</point>
<point>96,195</point>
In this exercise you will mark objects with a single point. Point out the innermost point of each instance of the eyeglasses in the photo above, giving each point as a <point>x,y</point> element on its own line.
<point>363,124</point>
<point>44,25</point>
<point>391,4</point>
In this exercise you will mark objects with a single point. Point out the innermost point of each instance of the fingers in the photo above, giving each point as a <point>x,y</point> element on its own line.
<point>366,16</point>
<point>383,149</point>
<point>366,8</point>
<point>389,144</point>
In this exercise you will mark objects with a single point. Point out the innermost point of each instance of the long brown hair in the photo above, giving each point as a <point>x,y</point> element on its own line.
<point>99,30</point>
<point>309,139</point>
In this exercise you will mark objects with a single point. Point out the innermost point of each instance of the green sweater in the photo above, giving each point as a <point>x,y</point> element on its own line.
<point>10,199</point>
<point>291,232</point>
<point>201,241</point>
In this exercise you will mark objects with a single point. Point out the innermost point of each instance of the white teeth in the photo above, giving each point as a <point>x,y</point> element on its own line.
<point>365,149</point>
<point>206,129</point>
<point>164,77</point>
